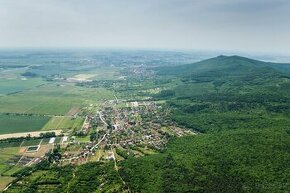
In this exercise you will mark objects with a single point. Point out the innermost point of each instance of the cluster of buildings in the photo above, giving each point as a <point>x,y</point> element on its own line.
<point>133,125</point>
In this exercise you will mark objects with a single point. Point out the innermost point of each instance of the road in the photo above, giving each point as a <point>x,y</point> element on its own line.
<point>116,98</point>
<point>99,141</point>
<point>101,117</point>
<point>32,134</point>
<point>117,170</point>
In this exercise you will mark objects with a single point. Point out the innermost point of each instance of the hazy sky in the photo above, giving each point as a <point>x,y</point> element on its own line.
<point>244,25</point>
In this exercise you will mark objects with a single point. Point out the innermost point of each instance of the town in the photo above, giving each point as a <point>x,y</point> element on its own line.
<point>120,129</point>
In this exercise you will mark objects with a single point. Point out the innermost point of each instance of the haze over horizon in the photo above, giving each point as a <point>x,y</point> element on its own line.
<point>240,25</point>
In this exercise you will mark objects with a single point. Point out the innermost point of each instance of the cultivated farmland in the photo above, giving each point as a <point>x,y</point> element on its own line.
<point>10,86</point>
<point>63,123</point>
<point>52,99</point>
<point>21,123</point>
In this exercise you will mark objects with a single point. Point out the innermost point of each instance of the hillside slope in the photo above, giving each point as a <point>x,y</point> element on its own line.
<point>230,92</point>
<point>223,63</point>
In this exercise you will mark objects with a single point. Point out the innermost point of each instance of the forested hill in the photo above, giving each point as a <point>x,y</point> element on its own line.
<point>223,63</point>
<point>227,93</point>
<point>241,107</point>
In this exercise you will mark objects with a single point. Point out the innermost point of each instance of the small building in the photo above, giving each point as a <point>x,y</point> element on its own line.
<point>51,140</point>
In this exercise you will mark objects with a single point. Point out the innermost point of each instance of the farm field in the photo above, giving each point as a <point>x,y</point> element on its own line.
<point>13,158</point>
<point>10,144</point>
<point>31,142</point>
<point>69,175</point>
<point>63,123</point>
<point>4,181</point>
<point>8,157</point>
<point>13,72</point>
<point>106,74</point>
<point>52,99</point>
<point>21,123</point>
<point>8,86</point>
<point>13,170</point>
<point>12,152</point>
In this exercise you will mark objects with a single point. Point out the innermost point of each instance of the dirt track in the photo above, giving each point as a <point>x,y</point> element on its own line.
<point>32,134</point>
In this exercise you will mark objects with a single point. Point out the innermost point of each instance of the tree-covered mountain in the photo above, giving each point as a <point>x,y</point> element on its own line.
<point>226,64</point>
<point>229,92</point>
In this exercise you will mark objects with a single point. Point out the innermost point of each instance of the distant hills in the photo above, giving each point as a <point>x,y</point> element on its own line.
<point>224,63</point>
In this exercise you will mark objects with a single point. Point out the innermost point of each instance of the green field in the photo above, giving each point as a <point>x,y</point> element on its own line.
<point>13,170</point>
<point>31,142</point>
<point>4,181</point>
<point>83,139</point>
<point>8,86</point>
<point>21,123</point>
<point>7,154</point>
<point>64,123</point>
<point>111,73</point>
<point>52,99</point>
<point>45,141</point>
<point>58,139</point>
<point>10,144</point>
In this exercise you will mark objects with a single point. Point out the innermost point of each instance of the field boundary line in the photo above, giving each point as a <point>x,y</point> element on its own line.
<point>40,142</point>
<point>21,143</point>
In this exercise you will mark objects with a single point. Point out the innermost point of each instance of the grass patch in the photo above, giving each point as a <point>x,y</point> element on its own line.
<point>83,139</point>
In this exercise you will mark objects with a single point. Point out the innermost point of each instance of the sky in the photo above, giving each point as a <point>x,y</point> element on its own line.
<point>261,26</point>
